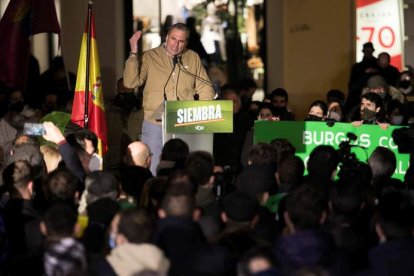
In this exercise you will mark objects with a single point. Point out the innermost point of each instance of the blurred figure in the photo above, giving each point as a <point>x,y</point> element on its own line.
<point>279,98</point>
<point>395,113</point>
<point>386,70</point>
<point>360,73</point>
<point>317,111</point>
<point>335,111</point>
<point>165,27</point>
<point>194,41</point>
<point>267,112</point>
<point>405,82</point>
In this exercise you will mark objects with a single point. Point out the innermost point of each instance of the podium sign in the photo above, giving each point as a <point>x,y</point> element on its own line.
<point>199,117</point>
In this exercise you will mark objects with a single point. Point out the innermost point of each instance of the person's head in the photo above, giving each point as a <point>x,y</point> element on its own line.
<point>177,39</point>
<point>405,82</point>
<point>130,226</point>
<point>323,162</point>
<point>335,111</point>
<point>279,97</point>
<point>317,111</point>
<point>175,150</point>
<point>371,104</point>
<point>51,156</point>
<point>262,154</point>
<point>266,111</point>
<point>139,154</point>
<point>384,60</point>
<point>306,208</point>
<point>83,139</point>
<point>368,49</point>
<point>154,191</point>
<point>395,216</point>
<point>100,184</point>
<point>61,185</point>
<point>256,260</point>
<point>257,183</point>
<point>26,151</point>
<point>335,95</point>
<point>377,84</point>
<point>283,148</point>
<point>247,87</point>
<point>383,163</point>
<point>59,221</point>
<point>231,95</point>
<point>395,112</point>
<point>191,22</point>
<point>240,207</point>
<point>290,173</point>
<point>133,180</point>
<point>17,178</point>
<point>200,166</point>
<point>179,201</point>
<point>346,196</point>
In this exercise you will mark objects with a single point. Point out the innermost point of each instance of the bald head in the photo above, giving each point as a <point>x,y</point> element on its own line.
<point>139,154</point>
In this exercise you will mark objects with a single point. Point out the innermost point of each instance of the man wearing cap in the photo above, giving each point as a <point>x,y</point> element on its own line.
<point>360,73</point>
<point>377,84</point>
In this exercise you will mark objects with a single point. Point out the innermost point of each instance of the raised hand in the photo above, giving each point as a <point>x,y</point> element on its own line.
<point>133,42</point>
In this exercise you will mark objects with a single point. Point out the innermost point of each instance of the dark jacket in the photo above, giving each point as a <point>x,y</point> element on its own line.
<point>307,248</point>
<point>183,243</point>
<point>395,257</point>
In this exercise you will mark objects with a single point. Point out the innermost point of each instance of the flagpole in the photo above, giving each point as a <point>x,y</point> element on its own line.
<point>88,58</point>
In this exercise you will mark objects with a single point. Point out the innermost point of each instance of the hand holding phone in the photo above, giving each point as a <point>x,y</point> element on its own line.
<point>52,133</point>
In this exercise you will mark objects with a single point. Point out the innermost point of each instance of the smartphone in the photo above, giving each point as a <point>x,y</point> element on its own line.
<point>33,129</point>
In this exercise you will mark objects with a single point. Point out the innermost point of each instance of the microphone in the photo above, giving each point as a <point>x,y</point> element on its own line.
<point>182,67</point>
<point>175,61</point>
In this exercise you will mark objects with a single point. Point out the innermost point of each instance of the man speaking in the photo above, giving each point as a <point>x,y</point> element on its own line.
<point>169,72</point>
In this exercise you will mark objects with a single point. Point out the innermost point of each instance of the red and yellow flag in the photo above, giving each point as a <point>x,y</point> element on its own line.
<point>96,109</point>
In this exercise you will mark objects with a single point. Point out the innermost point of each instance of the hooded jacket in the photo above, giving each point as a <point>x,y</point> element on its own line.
<point>129,258</point>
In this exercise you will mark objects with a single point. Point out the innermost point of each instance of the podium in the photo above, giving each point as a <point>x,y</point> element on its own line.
<point>195,122</point>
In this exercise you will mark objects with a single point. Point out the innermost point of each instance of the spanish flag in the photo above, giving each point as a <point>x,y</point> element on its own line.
<point>96,110</point>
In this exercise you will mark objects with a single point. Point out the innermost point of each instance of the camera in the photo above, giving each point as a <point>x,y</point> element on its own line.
<point>348,160</point>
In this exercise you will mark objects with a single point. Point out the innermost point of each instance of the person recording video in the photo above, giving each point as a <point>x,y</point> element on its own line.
<point>169,72</point>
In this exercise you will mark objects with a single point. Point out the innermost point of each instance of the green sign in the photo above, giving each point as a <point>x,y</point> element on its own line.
<point>199,116</point>
<point>305,136</point>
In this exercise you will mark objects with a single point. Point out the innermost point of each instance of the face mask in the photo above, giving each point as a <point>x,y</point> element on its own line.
<point>382,95</point>
<point>405,84</point>
<point>397,120</point>
<point>280,110</point>
<point>367,114</point>
<point>334,116</point>
<point>111,241</point>
<point>17,107</point>
<point>95,164</point>
<point>313,118</point>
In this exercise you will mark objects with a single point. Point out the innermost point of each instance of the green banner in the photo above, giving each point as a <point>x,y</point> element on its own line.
<point>199,116</point>
<point>305,136</point>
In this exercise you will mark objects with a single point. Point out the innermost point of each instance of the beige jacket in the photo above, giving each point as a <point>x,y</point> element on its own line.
<point>129,258</point>
<point>153,68</point>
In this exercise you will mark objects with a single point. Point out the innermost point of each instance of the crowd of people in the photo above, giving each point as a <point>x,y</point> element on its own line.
<point>243,209</point>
